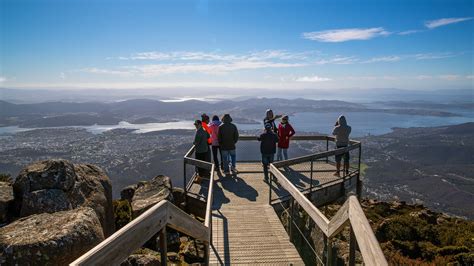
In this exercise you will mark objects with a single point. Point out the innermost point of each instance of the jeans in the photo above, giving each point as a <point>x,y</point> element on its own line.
<point>279,154</point>
<point>267,159</point>
<point>228,156</point>
<point>215,151</point>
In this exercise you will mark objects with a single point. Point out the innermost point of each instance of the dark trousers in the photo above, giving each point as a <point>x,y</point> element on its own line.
<point>215,151</point>
<point>203,157</point>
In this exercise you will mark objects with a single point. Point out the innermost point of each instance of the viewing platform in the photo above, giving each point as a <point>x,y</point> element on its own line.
<point>243,214</point>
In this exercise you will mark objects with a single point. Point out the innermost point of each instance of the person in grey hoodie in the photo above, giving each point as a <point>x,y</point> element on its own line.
<point>341,132</point>
<point>201,148</point>
<point>228,136</point>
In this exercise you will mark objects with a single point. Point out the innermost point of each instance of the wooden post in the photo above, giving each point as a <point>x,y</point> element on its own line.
<point>329,258</point>
<point>352,244</point>
<point>163,247</point>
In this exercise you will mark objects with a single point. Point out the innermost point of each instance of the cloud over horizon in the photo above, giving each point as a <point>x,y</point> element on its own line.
<point>431,24</point>
<point>344,35</point>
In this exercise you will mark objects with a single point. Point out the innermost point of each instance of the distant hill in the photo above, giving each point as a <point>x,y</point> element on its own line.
<point>429,165</point>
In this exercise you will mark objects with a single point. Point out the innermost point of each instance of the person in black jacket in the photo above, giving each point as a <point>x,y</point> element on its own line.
<point>268,141</point>
<point>228,136</point>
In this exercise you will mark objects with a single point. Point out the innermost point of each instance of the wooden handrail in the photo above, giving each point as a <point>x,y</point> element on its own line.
<point>117,247</point>
<point>350,212</point>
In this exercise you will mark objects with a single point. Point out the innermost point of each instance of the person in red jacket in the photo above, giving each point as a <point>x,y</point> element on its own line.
<point>205,126</point>
<point>285,132</point>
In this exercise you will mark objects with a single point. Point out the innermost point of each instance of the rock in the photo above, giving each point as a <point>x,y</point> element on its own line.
<point>141,260</point>
<point>179,197</point>
<point>149,193</point>
<point>128,192</point>
<point>58,185</point>
<point>50,238</point>
<point>6,201</point>
<point>192,251</point>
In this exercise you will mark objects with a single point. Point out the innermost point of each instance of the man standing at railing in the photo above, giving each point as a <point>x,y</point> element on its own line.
<point>200,144</point>
<point>341,132</point>
<point>228,137</point>
<point>268,141</point>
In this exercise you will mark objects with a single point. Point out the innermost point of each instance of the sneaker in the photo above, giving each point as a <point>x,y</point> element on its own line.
<point>234,170</point>
<point>197,180</point>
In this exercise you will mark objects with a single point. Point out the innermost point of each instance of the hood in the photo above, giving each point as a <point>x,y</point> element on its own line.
<point>267,113</point>
<point>342,121</point>
<point>217,123</point>
<point>226,119</point>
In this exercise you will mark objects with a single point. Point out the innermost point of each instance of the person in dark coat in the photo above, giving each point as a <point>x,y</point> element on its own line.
<point>201,149</point>
<point>228,136</point>
<point>341,132</point>
<point>268,141</point>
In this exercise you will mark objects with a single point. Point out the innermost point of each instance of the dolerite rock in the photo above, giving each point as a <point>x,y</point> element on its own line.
<point>128,192</point>
<point>58,185</point>
<point>50,238</point>
<point>149,193</point>
<point>6,200</point>
<point>141,260</point>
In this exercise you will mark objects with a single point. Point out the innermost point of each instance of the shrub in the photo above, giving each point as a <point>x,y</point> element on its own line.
<point>122,213</point>
<point>5,178</point>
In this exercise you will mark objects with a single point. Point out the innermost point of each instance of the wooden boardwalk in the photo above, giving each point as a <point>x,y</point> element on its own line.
<point>245,228</point>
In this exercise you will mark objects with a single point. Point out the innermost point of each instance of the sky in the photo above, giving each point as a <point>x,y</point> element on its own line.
<point>422,45</point>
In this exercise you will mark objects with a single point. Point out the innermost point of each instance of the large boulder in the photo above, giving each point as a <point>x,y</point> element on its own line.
<point>149,193</point>
<point>50,238</point>
<point>6,200</point>
<point>58,185</point>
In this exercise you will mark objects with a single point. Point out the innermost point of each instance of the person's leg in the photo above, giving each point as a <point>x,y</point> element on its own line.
<point>285,153</point>
<point>225,160</point>
<point>215,149</point>
<point>338,165</point>
<point>279,157</point>
<point>346,163</point>
<point>265,163</point>
<point>233,158</point>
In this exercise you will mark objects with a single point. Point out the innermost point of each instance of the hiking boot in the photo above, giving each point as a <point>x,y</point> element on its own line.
<point>234,170</point>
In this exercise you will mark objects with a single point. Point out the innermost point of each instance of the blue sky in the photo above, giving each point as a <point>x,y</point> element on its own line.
<point>237,44</point>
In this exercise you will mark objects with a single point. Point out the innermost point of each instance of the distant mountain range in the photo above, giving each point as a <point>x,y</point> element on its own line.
<point>251,110</point>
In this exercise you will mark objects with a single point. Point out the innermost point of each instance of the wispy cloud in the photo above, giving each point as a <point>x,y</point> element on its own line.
<point>444,21</point>
<point>338,60</point>
<point>430,56</point>
<point>312,79</point>
<point>3,79</point>
<point>450,77</point>
<point>423,77</point>
<point>470,76</point>
<point>344,35</point>
<point>95,70</point>
<point>408,32</point>
<point>392,58</point>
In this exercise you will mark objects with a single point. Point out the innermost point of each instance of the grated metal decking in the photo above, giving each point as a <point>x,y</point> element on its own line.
<point>245,228</point>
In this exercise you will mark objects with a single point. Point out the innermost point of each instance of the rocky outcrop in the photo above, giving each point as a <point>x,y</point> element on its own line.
<point>6,201</point>
<point>50,238</point>
<point>148,193</point>
<point>58,185</point>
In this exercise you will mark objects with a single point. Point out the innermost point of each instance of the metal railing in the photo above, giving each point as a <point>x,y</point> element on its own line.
<point>350,212</point>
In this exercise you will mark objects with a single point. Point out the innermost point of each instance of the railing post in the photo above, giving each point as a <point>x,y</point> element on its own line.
<point>352,244</point>
<point>311,177</point>
<point>290,230</point>
<point>163,247</point>
<point>359,183</point>
<point>329,258</point>
<point>327,149</point>
<point>184,179</point>
<point>270,188</point>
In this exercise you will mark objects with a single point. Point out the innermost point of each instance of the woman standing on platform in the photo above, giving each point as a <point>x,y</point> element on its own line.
<point>285,132</point>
